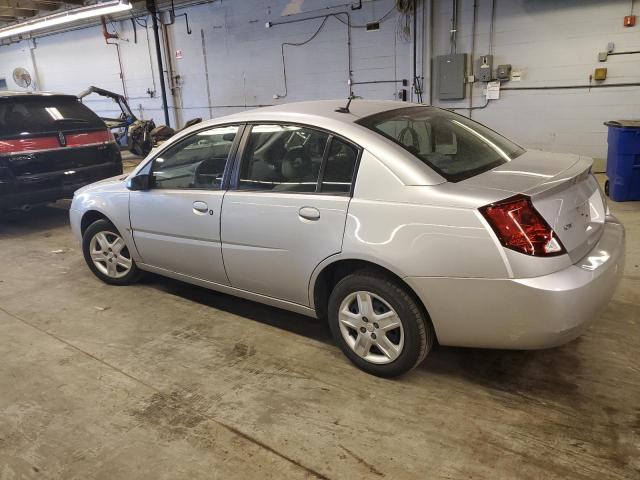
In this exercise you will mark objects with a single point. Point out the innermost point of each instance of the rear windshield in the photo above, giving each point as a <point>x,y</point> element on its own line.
<point>45,114</point>
<point>454,146</point>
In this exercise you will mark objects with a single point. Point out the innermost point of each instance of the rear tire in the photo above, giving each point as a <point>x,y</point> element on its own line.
<point>107,255</point>
<point>606,188</point>
<point>378,324</point>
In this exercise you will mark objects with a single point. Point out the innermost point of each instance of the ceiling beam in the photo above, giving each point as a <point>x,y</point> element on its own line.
<point>32,4</point>
<point>17,12</point>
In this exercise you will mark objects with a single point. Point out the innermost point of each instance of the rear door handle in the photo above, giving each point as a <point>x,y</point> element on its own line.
<point>310,213</point>
<point>200,207</point>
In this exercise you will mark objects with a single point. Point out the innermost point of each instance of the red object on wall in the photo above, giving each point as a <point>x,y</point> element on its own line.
<point>629,20</point>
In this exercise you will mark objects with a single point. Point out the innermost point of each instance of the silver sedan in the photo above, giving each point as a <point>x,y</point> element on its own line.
<point>401,224</point>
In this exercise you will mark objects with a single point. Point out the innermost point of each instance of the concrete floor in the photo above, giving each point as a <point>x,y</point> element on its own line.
<point>164,380</point>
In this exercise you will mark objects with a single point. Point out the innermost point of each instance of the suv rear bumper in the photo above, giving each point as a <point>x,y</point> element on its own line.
<point>30,195</point>
<point>527,313</point>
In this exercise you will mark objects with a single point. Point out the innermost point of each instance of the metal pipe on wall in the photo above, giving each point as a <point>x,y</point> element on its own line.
<point>172,77</point>
<point>206,72</point>
<point>453,38</point>
<point>151,5</point>
<point>573,87</point>
<point>431,52</point>
<point>473,54</point>
<point>36,76</point>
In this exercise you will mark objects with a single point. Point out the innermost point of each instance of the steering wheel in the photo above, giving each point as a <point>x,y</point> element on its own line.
<point>415,138</point>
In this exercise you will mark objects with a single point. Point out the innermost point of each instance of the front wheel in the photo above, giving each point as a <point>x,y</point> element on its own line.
<point>378,324</point>
<point>107,255</point>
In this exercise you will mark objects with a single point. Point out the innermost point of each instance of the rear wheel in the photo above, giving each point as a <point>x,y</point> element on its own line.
<point>606,188</point>
<point>107,255</point>
<point>378,324</point>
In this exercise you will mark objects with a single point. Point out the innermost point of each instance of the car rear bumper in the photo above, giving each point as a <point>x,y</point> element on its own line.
<point>55,186</point>
<point>527,313</point>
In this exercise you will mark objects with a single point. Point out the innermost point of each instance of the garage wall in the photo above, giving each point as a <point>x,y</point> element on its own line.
<point>243,57</point>
<point>552,42</point>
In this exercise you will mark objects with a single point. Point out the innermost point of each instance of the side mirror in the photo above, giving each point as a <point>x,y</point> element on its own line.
<point>139,182</point>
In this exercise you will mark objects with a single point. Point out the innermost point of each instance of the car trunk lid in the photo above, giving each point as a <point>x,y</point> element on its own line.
<point>561,189</point>
<point>46,140</point>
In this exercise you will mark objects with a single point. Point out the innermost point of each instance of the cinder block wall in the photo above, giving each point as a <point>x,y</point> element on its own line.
<point>244,58</point>
<point>552,42</point>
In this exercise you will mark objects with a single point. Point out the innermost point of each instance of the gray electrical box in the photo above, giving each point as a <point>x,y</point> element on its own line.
<point>451,76</point>
<point>484,68</point>
<point>503,72</point>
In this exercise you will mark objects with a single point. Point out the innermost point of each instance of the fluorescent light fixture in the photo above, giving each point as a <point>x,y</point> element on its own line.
<point>68,16</point>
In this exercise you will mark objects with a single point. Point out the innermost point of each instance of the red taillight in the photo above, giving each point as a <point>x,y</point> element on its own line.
<point>520,227</point>
<point>88,138</point>
<point>112,137</point>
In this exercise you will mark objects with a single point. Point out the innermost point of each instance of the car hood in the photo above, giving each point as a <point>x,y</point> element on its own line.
<point>112,184</point>
<point>526,172</point>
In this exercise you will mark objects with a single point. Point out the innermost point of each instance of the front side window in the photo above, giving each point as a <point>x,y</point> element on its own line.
<point>282,158</point>
<point>454,146</point>
<point>197,162</point>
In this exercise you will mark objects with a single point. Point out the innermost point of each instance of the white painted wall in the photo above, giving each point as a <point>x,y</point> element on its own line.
<point>553,42</point>
<point>244,58</point>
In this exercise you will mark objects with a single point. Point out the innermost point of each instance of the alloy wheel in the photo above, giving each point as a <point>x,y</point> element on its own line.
<point>371,327</point>
<point>110,254</point>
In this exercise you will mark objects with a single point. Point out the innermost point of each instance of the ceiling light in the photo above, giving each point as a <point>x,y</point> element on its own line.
<point>68,16</point>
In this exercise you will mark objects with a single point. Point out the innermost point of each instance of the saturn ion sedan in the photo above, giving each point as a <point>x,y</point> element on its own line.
<point>400,224</point>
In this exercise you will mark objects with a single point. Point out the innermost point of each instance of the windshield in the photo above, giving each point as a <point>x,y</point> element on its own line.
<point>454,146</point>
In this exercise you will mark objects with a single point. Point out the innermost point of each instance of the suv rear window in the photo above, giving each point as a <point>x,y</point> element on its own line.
<point>43,114</point>
<point>454,146</point>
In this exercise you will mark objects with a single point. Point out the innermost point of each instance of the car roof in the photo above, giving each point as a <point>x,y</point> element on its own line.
<point>322,114</point>
<point>320,108</point>
<point>27,94</point>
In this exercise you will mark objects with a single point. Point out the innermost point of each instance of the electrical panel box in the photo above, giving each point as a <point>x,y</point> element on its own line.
<point>503,72</point>
<point>451,75</point>
<point>484,68</point>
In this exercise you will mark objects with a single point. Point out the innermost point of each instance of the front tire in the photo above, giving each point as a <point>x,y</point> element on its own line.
<point>378,324</point>
<point>108,256</point>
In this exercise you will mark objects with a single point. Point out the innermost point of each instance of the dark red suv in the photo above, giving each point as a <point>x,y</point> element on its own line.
<point>51,145</point>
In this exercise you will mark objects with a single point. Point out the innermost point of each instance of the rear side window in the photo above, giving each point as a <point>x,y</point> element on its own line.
<point>454,146</point>
<point>40,114</point>
<point>340,166</point>
<point>283,158</point>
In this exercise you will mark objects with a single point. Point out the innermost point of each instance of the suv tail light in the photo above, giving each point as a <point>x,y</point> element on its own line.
<point>520,227</point>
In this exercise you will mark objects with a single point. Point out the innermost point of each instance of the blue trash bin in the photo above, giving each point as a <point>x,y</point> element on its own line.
<point>623,160</point>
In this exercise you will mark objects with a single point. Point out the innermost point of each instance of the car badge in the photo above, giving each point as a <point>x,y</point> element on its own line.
<point>62,139</point>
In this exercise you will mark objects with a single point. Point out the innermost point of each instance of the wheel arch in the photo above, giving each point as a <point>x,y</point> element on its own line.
<point>329,273</point>
<point>89,217</point>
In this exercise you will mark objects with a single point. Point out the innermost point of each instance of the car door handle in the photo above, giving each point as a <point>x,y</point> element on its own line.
<point>310,213</point>
<point>200,207</point>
